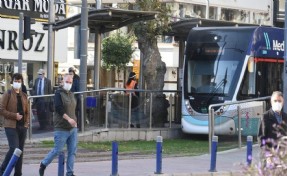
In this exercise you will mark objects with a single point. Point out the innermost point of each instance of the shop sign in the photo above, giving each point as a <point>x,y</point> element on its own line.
<point>35,48</point>
<point>38,9</point>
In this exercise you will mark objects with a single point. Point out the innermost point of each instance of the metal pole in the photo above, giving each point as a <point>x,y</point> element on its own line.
<point>285,55</point>
<point>99,4</point>
<point>213,154</point>
<point>170,109</point>
<point>239,126</point>
<point>207,9</point>
<point>51,42</point>
<point>82,114</point>
<point>97,61</point>
<point>107,110</point>
<point>31,120</point>
<point>20,42</point>
<point>158,155</point>
<point>115,158</point>
<point>130,110</point>
<point>84,43</point>
<point>210,128</point>
<point>150,111</point>
<point>12,162</point>
<point>249,150</point>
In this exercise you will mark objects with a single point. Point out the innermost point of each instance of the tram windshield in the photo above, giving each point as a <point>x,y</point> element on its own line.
<point>214,63</point>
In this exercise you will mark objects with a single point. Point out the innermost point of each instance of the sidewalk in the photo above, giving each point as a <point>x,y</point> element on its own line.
<point>228,163</point>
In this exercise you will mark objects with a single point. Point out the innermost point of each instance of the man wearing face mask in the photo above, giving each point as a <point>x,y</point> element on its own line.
<point>42,86</point>
<point>269,131</point>
<point>65,125</point>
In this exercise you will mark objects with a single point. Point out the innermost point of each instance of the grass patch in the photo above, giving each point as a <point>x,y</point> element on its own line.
<point>180,147</point>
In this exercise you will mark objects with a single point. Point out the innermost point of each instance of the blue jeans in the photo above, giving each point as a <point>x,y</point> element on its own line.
<point>61,138</point>
<point>16,139</point>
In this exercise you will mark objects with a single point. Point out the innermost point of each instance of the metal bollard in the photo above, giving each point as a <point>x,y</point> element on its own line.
<point>249,150</point>
<point>158,155</point>
<point>61,164</point>
<point>213,154</point>
<point>114,159</point>
<point>16,155</point>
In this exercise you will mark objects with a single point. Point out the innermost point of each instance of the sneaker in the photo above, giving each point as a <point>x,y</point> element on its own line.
<point>42,169</point>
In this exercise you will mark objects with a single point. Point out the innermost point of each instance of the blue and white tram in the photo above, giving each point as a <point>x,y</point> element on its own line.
<point>224,64</point>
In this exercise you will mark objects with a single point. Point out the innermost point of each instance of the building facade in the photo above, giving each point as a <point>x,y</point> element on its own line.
<point>35,49</point>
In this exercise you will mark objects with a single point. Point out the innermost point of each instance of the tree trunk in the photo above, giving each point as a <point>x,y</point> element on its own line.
<point>153,71</point>
<point>154,68</point>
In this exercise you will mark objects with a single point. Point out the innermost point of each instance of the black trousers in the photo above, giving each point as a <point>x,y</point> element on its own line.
<point>16,139</point>
<point>43,113</point>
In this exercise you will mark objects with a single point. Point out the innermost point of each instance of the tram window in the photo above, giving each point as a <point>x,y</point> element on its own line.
<point>266,78</point>
<point>269,78</point>
<point>247,88</point>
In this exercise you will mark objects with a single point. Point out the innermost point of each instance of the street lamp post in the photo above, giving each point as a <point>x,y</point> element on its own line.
<point>84,43</point>
<point>20,42</point>
<point>51,41</point>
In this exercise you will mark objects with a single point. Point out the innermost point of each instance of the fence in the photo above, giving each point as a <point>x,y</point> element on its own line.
<point>119,108</point>
<point>253,110</point>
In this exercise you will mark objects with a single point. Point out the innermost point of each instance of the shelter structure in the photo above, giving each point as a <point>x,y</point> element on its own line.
<point>101,21</point>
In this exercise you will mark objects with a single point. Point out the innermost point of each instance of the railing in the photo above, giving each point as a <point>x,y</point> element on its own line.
<point>114,108</point>
<point>211,116</point>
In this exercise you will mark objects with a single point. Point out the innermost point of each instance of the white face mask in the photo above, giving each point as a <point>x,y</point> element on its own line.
<point>67,86</point>
<point>16,85</point>
<point>276,107</point>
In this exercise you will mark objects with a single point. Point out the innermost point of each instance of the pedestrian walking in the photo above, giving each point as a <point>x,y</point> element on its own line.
<point>15,110</point>
<point>65,125</point>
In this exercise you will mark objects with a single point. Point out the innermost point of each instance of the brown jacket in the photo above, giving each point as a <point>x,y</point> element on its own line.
<point>8,108</point>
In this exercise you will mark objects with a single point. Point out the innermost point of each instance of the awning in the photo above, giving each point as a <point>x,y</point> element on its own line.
<point>181,28</point>
<point>105,20</point>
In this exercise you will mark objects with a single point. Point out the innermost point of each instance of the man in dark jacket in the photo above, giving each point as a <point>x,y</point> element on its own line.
<point>274,122</point>
<point>76,88</point>
<point>65,125</point>
<point>42,86</point>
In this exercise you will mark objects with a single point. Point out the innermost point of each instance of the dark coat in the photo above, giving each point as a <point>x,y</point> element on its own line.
<point>47,88</point>
<point>271,127</point>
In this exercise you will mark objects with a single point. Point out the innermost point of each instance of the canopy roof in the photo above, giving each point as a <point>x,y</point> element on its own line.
<point>105,20</point>
<point>181,28</point>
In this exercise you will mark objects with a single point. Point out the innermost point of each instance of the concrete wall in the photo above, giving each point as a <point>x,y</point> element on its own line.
<point>129,134</point>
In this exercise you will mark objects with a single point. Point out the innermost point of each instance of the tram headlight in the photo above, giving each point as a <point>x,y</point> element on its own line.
<point>188,107</point>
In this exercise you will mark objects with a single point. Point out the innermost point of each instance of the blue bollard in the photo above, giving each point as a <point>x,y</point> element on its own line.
<point>249,150</point>
<point>114,159</point>
<point>213,154</point>
<point>158,155</point>
<point>16,155</point>
<point>61,164</point>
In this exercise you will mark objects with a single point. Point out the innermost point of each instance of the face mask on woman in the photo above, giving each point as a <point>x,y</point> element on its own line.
<point>16,85</point>
<point>67,86</point>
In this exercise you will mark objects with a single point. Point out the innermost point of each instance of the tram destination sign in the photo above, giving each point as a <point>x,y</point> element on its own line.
<point>37,9</point>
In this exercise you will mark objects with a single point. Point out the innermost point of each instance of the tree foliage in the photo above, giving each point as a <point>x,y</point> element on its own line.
<point>147,33</point>
<point>153,28</point>
<point>117,51</point>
